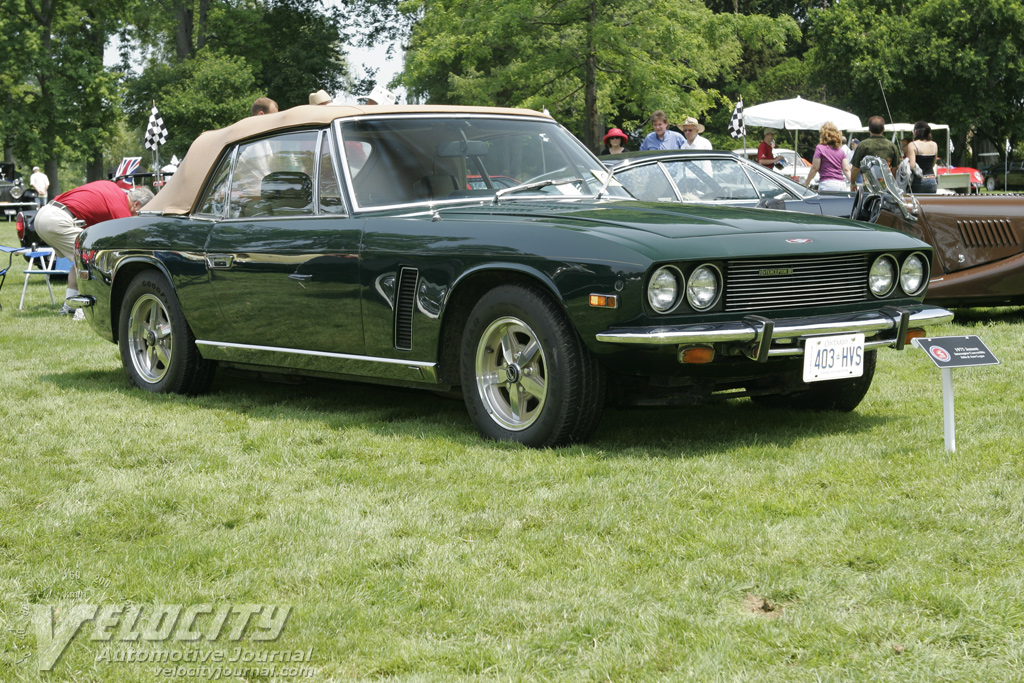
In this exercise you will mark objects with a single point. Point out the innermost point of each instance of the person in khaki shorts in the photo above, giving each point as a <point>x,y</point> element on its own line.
<point>60,220</point>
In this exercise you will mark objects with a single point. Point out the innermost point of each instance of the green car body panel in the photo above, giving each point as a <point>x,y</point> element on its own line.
<point>341,309</point>
<point>383,265</point>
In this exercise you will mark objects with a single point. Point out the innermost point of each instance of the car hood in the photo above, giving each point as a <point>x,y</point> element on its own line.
<point>669,230</point>
<point>671,221</point>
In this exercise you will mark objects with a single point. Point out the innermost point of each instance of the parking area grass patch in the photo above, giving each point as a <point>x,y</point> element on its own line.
<point>713,543</point>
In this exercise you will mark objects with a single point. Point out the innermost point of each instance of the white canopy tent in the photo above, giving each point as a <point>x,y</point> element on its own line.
<point>797,114</point>
<point>897,130</point>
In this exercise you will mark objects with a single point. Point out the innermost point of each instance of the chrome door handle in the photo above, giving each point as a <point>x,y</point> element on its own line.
<point>301,277</point>
<point>219,261</point>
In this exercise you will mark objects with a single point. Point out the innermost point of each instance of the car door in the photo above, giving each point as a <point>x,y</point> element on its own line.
<point>284,258</point>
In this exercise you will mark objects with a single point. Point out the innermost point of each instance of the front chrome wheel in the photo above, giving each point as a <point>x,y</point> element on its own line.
<point>150,338</point>
<point>511,373</point>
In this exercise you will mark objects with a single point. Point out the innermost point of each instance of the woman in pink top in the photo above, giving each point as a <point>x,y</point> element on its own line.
<point>830,161</point>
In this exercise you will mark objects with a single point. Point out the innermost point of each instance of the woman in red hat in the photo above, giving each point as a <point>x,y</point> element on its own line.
<point>614,142</point>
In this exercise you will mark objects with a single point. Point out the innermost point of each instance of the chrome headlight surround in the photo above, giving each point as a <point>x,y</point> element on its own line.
<point>704,287</point>
<point>914,274</point>
<point>16,191</point>
<point>882,276</point>
<point>664,289</point>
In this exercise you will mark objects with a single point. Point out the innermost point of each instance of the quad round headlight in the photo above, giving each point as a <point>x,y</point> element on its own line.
<point>663,289</point>
<point>914,274</point>
<point>882,276</point>
<point>702,287</point>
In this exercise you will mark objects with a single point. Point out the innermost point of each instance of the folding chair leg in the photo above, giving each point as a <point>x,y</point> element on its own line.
<point>45,267</point>
<point>23,290</point>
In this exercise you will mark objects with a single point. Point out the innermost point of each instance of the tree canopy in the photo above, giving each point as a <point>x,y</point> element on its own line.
<point>202,62</point>
<point>590,62</point>
<point>593,63</point>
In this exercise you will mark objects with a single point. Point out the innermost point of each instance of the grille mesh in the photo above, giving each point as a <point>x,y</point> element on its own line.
<point>753,284</point>
<point>405,304</point>
<point>988,233</point>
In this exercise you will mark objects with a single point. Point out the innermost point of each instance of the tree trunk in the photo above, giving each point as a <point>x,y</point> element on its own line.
<point>591,127</point>
<point>51,172</point>
<point>94,168</point>
<point>48,119</point>
<point>204,8</point>
<point>183,30</point>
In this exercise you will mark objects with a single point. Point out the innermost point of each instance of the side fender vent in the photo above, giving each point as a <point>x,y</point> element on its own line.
<point>405,305</point>
<point>982,233</point>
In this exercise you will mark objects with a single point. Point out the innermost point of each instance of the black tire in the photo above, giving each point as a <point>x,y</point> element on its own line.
<point>158,349</point>
<point>839,395</point>
<point>990,184</point>
<point>526,374</point>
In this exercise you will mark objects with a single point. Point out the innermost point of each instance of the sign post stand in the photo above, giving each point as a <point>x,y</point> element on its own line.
<point>948,353</point>
<point>948,419</point>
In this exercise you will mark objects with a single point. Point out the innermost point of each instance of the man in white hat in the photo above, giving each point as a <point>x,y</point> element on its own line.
<point>40,183</point>
<point>319,97</point>
<point>691,133</point>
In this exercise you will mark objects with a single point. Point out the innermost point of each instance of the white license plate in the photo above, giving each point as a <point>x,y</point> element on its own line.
<point>834,357</point>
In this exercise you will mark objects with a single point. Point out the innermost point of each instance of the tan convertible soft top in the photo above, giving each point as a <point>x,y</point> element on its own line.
<point>181,192</point>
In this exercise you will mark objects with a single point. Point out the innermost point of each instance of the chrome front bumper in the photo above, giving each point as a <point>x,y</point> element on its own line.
<point>80,301</point>
<point>767,338</point>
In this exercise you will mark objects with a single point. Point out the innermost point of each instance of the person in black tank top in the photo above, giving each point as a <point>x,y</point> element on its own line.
<point>922,151</point>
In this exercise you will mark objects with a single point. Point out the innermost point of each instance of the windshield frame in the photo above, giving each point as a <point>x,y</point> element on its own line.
<point>590,165</point>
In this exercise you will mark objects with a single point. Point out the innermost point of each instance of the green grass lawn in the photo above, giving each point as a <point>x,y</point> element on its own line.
<point>721,543</point>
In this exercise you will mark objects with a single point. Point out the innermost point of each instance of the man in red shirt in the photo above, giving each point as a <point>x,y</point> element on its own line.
<point>766,150</point>
<point>60,221</point>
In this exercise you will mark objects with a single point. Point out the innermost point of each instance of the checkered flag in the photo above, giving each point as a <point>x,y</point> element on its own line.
<point>156,134</point>
<point>736,128</point>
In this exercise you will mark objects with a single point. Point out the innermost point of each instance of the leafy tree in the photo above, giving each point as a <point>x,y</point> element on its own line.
<point>949,61</point>
<point>293,47</point>
<point>210,91</point>
<point>62,105</point>
<point>588,61</point>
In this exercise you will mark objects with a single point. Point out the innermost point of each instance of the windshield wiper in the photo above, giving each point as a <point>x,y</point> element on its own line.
<point>604,185</point>
<point>532,186</point>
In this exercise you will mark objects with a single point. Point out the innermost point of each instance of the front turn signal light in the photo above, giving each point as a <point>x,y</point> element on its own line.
<point>604,301</point>
<point>697,355</point>
<point>916,333</point>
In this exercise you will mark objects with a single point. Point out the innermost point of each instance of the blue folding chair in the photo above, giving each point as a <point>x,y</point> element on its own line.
<point>43,261</point>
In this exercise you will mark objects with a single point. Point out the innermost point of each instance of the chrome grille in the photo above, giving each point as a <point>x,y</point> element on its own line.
<point>758,284</point>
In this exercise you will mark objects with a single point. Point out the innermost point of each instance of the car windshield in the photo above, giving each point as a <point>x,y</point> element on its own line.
<point>704,180</point>
<point>404,160</point>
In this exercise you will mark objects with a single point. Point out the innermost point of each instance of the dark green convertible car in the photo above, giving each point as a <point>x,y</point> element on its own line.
<point>487,250</point>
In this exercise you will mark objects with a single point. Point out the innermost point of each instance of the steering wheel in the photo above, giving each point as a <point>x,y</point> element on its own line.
<point>870,210</point>
<point>769,202</point>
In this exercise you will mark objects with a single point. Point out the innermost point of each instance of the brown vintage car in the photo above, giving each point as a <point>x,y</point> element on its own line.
<point>978,239</point>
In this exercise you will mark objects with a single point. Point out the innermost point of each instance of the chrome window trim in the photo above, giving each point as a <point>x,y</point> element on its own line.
<point>232,158</point>
<point>427,205</point>
<point>332,150</point>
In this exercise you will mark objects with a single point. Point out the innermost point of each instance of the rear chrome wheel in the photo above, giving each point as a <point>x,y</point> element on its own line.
<point>150,338</point>
<point>158,349</point>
